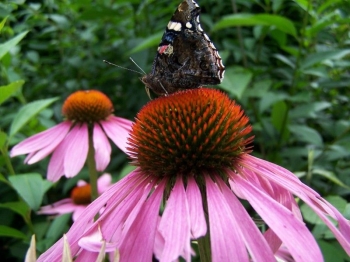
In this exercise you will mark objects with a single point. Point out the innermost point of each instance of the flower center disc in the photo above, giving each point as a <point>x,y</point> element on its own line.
<point>189,132</point>
<point>81,195</point>
<point>87,106</point>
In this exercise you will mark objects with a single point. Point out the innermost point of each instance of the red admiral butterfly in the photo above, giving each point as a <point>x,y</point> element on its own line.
<point>186,57</point>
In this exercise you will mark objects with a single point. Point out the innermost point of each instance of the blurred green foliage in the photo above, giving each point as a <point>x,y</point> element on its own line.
<point>287,64</point>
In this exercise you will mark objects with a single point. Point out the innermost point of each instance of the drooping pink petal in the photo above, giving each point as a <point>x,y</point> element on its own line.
<point>252,237</point>
<point>225,239</point>
<point>83,224</point>
<point>288,180</point>
<point>77,149</point>
<point>122,209</point>
<point>282,221</point>
<point>78,211</point>
<point>102,148</point>
<point>140,235</point>
<point>49,138</point>
<point>117,129</point>
<point>104,182</point>
<point>197,218</point>
<point>86,255</point>
<point>174,225</point>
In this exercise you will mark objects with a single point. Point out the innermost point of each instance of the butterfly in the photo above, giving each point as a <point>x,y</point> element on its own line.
<point>186,58</point>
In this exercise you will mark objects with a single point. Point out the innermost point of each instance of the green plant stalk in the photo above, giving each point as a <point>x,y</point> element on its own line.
<point>204,247</point>
<point>8,163</point>
<point>92,165</point>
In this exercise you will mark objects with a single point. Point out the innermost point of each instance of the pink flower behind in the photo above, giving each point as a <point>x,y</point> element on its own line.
<point>68,141</point>
<point>79,199</point>
<point>191,151</point>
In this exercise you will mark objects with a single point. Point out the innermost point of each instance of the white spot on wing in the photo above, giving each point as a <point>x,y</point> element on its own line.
<point>188,25</point>
<point>212,45</point>
<point>206,37</point>
<point>174,26</point>
<point>200,28</point>
<point>197,19</point>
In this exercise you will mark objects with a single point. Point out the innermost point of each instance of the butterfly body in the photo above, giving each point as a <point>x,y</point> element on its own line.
<point>186,58</point>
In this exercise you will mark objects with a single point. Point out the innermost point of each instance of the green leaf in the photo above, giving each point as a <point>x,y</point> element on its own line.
<point>6,231</point>
<point>330,176</point>
<point>312,59</point>
<point>19,207</point>
<point>309,110</point>
<point>58,227</point>
<point>3,22</point>
<point>279,118</point>
<point>5,47</point>
<point>151,41</point>
<point>279,22</point>
<point>9,90</point>
<point>236,80</point>
<point>309,215</point>
<point>338,202</point>
<point>269,99</point>
<point>306,134</point>
<point>31,187</point>
<point>27,112</point>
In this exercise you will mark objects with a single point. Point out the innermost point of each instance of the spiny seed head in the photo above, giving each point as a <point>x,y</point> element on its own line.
<point>188,133</point>
<point>87,106</point>
<point>81,195</point>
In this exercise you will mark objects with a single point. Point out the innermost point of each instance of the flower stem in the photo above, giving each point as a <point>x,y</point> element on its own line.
<point>92,165</point>
<point>204,242</point>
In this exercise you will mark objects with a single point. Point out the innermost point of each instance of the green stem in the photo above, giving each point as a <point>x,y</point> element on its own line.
<point>8,163</point>
<point>204,247</point>
<point>92,165</point>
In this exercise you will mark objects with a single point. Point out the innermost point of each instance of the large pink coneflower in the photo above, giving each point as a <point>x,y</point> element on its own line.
<point>79,199</point>
<point>86,112</point>
<point>194,171</point>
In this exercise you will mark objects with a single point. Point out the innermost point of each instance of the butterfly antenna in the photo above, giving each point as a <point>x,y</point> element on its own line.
<point>107,62</point>
<point>166,92</point>
<point>132,60</point>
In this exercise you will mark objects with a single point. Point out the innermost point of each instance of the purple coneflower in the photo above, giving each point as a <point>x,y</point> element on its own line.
<point>79,199</point>
<point>192,153</point>
<point>86,112</point>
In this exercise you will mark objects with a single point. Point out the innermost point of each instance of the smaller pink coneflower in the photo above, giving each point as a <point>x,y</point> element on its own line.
<point>79,199</point>
<point>86,112</point>
<point>194,179</point>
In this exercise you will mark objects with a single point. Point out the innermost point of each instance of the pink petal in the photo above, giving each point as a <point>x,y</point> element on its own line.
<point>83,224</point>
<point>55,169</point>
<point>86,255</point>
<point>78,211</point>
<point>76,151</point>
<point>94,242</point>
<point>197,218</point>
<point>226,241</point>
<point>140,235</point>
<point>253,239</point>
<point>104,182</point>
<point>49,138</point>
<point>117,129</point>
<point>288,180</point>
<point>102,148</point>
<point>63,206</point>
<point>175,225</point>
<point>282,221</point>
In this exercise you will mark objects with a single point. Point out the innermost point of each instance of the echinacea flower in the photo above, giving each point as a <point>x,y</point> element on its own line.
<point>80,198</point>
<point>86,112</point>
<point>191,149</point>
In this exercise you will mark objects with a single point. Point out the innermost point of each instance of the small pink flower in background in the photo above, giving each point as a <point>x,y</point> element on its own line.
<point>191,151</point>
<point>79,200</point>
<point>68,141</point>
